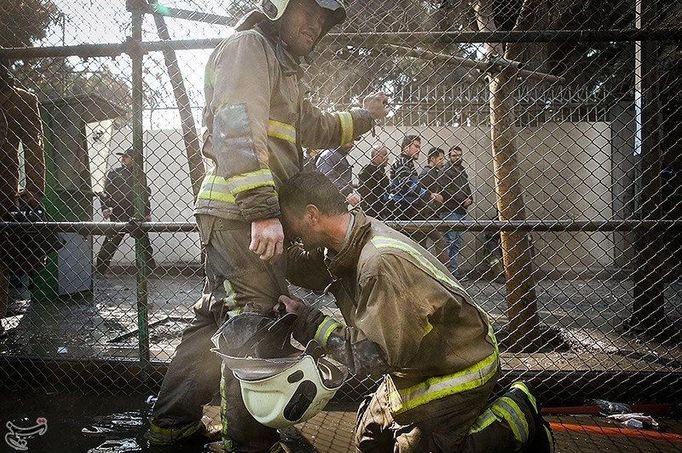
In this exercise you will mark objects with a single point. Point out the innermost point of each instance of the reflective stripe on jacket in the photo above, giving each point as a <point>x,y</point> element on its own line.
<point>257,121</point>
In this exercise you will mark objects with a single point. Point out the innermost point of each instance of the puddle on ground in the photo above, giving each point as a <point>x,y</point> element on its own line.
<point>95,424</point>
<point>117,446</point>
<point>123,423</point>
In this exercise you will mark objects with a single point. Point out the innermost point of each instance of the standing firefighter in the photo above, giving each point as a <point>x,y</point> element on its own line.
<point>257,123</point>
<point>19,123</point>
<point>410,320</point>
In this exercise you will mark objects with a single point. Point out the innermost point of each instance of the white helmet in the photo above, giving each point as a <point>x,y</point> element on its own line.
<point>274,9</point>
<point>279,392</point>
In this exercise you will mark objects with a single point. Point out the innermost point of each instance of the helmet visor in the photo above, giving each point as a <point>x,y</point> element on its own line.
<point>253,369</point>
<point>331,5</point>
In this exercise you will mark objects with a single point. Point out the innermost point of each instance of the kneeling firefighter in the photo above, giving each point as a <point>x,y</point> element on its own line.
<point>409,320</point>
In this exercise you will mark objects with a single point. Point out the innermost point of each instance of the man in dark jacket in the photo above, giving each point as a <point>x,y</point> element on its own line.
<point>118,205</point>
<point>334,164</point>
<point>407,191</point>
<point>430,178</point>
<point>20,123</point>
<point>373,184</point>
<point>456,199</point>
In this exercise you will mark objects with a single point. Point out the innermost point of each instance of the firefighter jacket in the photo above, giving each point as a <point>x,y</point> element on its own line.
<point>433,339</point>
<point>257,122</point>
<point>20,123</point>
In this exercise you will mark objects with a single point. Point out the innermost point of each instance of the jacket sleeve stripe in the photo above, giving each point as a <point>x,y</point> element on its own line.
<point>283,131</point>
<point>325,329</point>
<point>346,119</point>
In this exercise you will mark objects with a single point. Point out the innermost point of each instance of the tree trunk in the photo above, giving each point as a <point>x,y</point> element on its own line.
<point>520,284</point>
<point>189,130</point>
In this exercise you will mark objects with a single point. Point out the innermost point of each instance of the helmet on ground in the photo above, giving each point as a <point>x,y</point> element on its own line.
<point>274,9</point>
<point>279,391</point>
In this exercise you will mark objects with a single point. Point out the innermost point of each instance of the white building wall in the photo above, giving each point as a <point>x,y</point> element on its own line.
<point>566,175</point>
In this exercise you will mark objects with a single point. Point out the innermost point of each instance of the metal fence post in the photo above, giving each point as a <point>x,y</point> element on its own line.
<point>141,240</point>
<point>648,312</point>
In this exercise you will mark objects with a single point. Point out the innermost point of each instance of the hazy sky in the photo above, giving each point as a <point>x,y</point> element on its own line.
<point>107,21</point>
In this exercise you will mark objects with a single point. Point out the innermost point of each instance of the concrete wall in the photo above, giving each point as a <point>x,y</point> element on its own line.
<point>171,200</point>
<point>623,129</point>
<point>566,176</point>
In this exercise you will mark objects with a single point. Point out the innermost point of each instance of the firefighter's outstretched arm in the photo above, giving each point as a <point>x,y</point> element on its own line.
<point>321,129</point>
<point>345,344</point>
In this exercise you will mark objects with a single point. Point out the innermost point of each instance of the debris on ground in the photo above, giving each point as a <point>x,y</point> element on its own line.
<point>635,420</point>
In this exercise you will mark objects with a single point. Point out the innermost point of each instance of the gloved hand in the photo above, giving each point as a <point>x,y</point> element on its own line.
<point>308,318</point>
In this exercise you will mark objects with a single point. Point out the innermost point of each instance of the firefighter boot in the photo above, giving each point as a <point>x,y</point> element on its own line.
<point>191,434</point>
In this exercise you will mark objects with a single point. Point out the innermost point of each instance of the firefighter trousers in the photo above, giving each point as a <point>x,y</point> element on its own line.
<point>236,280</point>
<point>463,422</point>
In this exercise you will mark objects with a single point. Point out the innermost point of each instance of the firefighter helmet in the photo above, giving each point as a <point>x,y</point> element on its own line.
<point>277,391</point>
<point>274,9</point>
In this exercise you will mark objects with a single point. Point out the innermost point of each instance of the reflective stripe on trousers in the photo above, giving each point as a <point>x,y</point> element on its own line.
<point>506,410</point>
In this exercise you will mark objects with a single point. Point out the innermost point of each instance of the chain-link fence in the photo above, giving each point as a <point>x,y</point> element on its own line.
<point>555,197</point>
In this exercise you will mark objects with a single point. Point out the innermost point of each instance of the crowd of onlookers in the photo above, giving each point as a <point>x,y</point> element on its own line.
<point>440,191</point>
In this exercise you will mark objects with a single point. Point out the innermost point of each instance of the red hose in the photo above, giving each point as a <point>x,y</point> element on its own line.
<point>612,431</point>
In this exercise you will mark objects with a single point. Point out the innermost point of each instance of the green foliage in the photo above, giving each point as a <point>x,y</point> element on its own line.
<point>22,22</point>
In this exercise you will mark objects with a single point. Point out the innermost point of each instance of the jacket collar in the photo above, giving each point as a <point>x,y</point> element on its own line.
<point>405,159</point>
<point>258,21</point>
<point>291,65</point>
<point>347,258</point>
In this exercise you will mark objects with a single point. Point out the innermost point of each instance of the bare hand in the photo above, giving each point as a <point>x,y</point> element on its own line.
<point>30,198</point>
<point>293,305</point>
<point>468,202</point>
<point>377,104</point>
<point>106,213</point>
<point>353,199</point>
<point>267,238</point>
<point>436,197</point>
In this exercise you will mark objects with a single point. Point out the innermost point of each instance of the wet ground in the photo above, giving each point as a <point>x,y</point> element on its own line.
<point>581,316</point>
<point>583,319</point>
<point>116,424</point>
